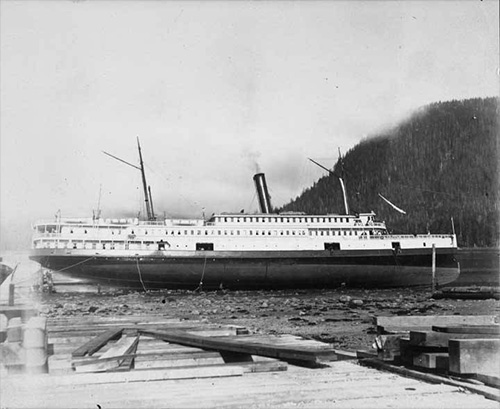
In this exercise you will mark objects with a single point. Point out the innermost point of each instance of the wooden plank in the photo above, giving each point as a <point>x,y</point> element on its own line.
<point>399,330</point>
<point>97,343</point>
<point>440,339</point>
<point>343,355</point>
<point>408,321</point>
<point>489,380</point>
<point>487,392</point>
<point>468,329</point>
<point>431,360</point>
<point>363,353</point>
<point>190,372</point>
<point>222,344</point>
<point>111,359</point>
<point>474,356</point>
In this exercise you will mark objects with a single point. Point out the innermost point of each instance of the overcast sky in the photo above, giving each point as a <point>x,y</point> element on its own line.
<point>215,91</point>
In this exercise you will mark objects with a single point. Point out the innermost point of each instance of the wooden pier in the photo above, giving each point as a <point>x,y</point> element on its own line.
<point>152,361</point>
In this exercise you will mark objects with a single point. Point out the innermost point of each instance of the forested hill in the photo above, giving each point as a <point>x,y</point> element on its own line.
<point>440,163</point>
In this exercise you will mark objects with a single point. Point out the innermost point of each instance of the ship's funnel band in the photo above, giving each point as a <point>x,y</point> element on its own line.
<point>262,193</point>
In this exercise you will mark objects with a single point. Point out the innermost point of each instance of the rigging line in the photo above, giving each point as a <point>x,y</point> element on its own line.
<point>140,275</point>
<point>76,264</point>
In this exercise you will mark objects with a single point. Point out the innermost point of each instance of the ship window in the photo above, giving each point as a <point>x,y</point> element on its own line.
<point>250,232</point>
<point>219,232</point>
<point>198,232</point>
<point>206,232</point>
<point>225,219</point>
<point>85,231</point>
<point>185,232</point>
<point>238,232</point>
<point>269,233</point>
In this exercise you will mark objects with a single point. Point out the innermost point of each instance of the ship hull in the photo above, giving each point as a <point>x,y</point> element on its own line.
<point>256,270</point>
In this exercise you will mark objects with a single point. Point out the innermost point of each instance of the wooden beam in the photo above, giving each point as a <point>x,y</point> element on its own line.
<point>468,329</point>
<point>475,356</point>
<point>97,343</point>
<point>440,339</point>
<point>112,358</point>
<point>408,321</point>
<point>286,353</point>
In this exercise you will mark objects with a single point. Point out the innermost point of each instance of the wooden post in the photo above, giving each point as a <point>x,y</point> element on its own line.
<point>433,284</point>
<point>12,288</point>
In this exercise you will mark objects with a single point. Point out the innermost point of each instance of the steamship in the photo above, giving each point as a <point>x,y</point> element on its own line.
<point>243,251</point>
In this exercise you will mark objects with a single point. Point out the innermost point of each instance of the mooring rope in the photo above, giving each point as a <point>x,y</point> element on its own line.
<point>140,275</point>
<point>200,286</point>
<point>76,264</point>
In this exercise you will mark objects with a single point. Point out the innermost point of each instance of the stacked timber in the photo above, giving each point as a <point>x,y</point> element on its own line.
<point>127,349</point>
<point>461,346</point>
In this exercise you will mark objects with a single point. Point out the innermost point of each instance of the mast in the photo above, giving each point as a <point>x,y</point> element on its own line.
<point>144,184</point>
<point>153,217</point>
<point>147,193</point>
<point>344,194</point>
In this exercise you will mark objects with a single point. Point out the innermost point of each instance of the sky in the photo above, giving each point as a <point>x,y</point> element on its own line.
<point>216,91</point>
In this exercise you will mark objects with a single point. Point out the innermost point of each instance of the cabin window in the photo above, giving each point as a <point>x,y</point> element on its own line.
<point>250,232</point>
<point>219,232</point>
<point>204,246</point>
<point>85,231</point>
<point>332,246</point>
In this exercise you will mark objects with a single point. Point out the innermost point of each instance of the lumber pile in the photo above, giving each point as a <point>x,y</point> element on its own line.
<point>139,348</point>
<point>466,347</point>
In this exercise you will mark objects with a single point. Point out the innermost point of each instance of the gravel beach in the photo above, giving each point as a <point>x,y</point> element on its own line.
<point>341,317</point>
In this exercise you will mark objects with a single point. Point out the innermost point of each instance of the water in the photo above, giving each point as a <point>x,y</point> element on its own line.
<point>478,266</point>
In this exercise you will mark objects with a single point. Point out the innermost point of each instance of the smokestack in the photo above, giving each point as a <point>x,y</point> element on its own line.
<point>264,199</point>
